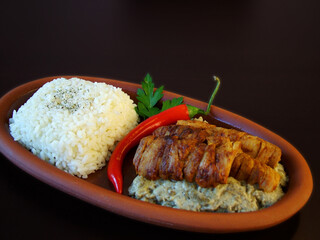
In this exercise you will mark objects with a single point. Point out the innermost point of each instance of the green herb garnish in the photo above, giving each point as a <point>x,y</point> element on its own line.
<point>148,99</point>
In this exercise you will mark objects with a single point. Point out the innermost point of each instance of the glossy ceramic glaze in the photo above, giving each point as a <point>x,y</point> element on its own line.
<point>98,191</point>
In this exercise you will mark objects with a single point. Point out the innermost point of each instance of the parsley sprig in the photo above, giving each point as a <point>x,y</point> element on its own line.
<point>148,99</point>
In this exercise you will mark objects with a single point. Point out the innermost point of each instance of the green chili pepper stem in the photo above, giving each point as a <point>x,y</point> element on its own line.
<point>213,94</point>
<point>194,110</point>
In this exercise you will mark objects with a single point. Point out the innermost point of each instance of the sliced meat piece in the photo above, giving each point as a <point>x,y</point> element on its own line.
<point>275,157</point>
<point>185,146</point>
<point>236,164</point>
<point>144,143</point>
<point>175,155</point>
<point>207,171</point>
<point>265,152</point>
<point>171,166</point>
<point>250,145</point>
<point>267,178</point>
<point>270,180</point>
<point>148,166</point>
<point>245,169</point>
<point>169,157</point>
<point>225,155</point>
<point>192,162</point>
<point>256,173</point>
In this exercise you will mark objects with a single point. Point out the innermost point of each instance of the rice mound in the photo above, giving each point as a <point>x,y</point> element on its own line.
<point>74,124</point>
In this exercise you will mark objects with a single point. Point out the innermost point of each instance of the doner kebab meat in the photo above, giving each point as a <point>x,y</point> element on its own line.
<point>197,151</point>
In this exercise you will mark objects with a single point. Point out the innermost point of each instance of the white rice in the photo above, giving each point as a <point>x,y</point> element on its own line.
<point>74,124</point>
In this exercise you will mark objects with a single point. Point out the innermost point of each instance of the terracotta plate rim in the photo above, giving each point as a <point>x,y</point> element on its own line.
<point>299,190</point>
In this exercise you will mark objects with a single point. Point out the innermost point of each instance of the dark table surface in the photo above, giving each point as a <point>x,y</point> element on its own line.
<point>266,53</point>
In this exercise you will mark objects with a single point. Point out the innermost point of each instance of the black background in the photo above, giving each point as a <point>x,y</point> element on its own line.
<point>266,53</point>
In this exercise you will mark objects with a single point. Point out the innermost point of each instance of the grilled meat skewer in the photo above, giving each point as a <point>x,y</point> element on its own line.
<point>197,151</point>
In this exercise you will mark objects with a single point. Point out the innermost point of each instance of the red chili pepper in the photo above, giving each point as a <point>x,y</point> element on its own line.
<point>145,128</point>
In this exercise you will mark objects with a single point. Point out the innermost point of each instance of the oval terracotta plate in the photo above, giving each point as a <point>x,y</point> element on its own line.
<point>98,191</point>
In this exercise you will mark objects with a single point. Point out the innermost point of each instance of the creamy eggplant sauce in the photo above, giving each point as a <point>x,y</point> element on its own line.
<point>235,196</point>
